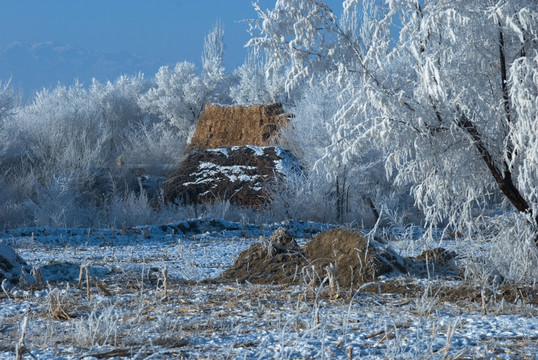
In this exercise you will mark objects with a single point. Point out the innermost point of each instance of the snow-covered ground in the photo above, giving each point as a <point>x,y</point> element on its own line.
<point>134,314</point>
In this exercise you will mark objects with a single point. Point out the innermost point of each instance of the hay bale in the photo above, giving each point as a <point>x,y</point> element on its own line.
<point>239,174</point>
<point>221,126</point>
<point>274,261</point>
<point>266,263</point>
<point>356,261</point>
<point>352,258</point>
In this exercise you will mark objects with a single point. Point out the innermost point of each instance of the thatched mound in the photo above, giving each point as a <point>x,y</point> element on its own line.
<point>267,263</point>
<point>239,174</point>
<point>12,265</point>
<point>221,126</point>
<point>356,261</point>
<point>352,259</point>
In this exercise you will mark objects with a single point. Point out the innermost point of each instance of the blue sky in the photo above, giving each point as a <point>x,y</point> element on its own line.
<point>171,30</point>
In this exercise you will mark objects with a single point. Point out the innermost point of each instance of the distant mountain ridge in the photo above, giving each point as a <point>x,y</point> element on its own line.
<point>34,66</point>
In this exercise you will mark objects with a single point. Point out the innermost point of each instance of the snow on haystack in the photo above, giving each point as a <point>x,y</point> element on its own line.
<point>242,175</point>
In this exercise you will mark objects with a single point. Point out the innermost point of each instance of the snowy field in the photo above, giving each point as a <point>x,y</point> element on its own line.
<point>152,296</point>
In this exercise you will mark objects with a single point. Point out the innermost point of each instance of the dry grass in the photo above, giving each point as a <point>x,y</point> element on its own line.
<point>221,126</point>
<point>146,323</point>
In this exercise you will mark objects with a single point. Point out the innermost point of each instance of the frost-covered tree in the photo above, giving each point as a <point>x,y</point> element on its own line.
<point>332,181</point>
<point>178,97</point>
<point>118,103</point>
<point>61,130</point>
<point>213,54</point>
<point>214,76</point>
<point>62,148</point>
<point>322,81</point>
<point>7,99</point>
<point>285,33</point>
<point>349,179</point>
<point>7,109</point>
<point>257,82</point>
<point>251,87</point>
<point>180,94</point>
<point>451,101</point>
<point>55,148</point>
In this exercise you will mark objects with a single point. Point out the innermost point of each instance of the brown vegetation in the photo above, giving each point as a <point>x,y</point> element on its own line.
<point>220,126</point>
<point>346,253</point>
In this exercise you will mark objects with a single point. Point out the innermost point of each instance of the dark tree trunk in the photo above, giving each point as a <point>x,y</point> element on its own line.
<point>502,178</point>
<point>372,207</point>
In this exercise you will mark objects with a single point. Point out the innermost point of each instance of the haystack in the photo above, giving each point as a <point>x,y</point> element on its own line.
<point>221,126</point>
<point>241,175</point>
<point>353,260</point>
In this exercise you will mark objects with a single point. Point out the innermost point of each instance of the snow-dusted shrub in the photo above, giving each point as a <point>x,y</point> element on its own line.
<point>15,209</point>
<point>130,208</point>
<point>117,102</point>
<point>61,130</point>
<point>101,327</point>
<point>517,262</point>
<point>57,203</point>
<point>299,198</point>
<point>155,144</point>
<point>59,157</point>
<point>58,136</point>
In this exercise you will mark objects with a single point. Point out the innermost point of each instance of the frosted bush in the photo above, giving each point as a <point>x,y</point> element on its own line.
<point>59,157</point>
<point>513,250</point>
<point>15,207</point>
<point>58,142</point>
<point>155,144</point>
<point>101,327</point>
<point>130,209</point>
<point>57,204</point>
<point>117,102</point>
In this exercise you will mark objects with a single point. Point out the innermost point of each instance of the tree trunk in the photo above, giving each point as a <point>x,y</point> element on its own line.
<point>504,178</point>
<point>372,207</point>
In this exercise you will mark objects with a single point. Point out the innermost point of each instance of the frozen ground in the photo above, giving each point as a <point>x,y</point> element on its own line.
<point>133,313</point>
